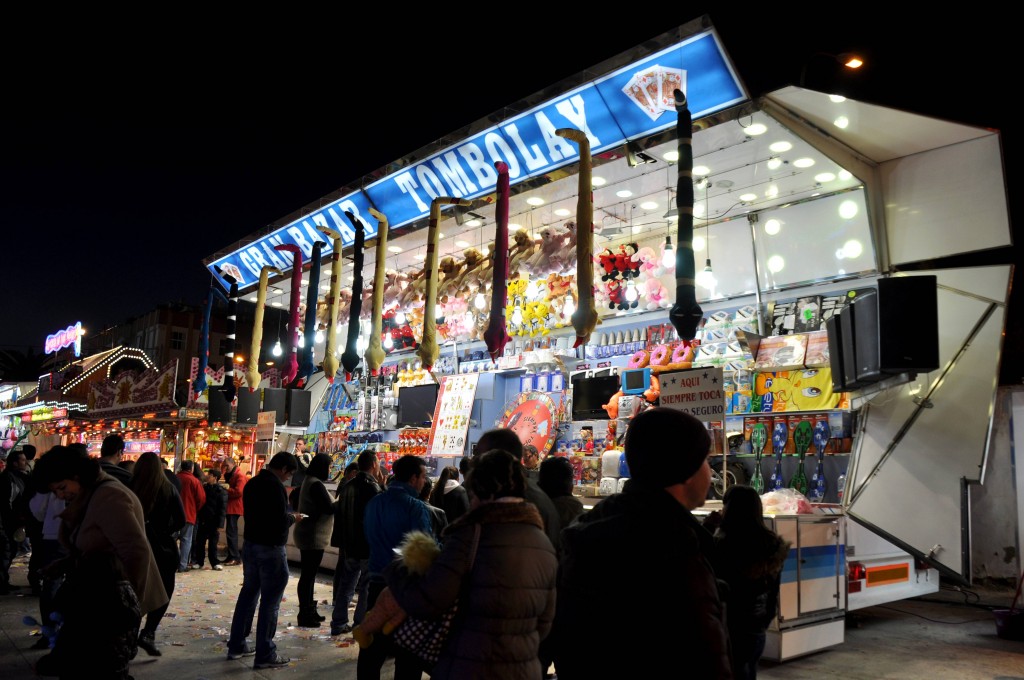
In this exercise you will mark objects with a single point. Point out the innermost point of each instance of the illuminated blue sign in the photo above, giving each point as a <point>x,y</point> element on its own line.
<point>633,102</point>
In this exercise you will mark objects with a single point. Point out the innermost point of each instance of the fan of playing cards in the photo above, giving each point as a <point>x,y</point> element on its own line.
<point>651,89</point>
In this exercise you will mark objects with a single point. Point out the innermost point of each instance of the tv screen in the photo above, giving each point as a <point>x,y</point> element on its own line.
<point>636,380</point>
<point>590,394</point>
<point>416,405</point>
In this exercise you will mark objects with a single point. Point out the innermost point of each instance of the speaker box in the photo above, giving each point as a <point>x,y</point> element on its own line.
<point>299,404</point>
<point>276,400</point>
<point>897,328</point>
<point>219,406</point>
<point>248,406</point>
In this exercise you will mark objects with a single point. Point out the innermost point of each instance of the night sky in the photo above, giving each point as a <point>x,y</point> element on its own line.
<point>128,156</point>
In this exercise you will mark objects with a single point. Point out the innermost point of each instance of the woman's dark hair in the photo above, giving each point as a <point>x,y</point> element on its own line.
<point>743,514</point>
<point>149,482</point>
<point>447,472</point>
<point>496,474</point>
<point>63,462</point>
<point>425,491</point>
<point>319,467</point>
<point>556,477</point>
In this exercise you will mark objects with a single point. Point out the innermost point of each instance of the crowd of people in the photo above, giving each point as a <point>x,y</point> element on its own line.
<point>519,570</point>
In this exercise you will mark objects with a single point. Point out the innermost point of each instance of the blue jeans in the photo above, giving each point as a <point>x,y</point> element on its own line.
<point>231,538</point>
<point>185,545</point>
<point>351,575</point>
<point>264,577</point>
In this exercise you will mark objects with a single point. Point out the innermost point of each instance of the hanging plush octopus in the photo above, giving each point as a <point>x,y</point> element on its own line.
<point>496,336</point>
<point>229,354</point>
<point>685,314</point>
<point>330,358</point>
<point>306,366</point>
<point>428,350</point>
<point>252,374</point>
<point>375,351</point>
<point>291,366</point>
<point>200,383</point>
<point>585,318</point>
<point>350,357</point>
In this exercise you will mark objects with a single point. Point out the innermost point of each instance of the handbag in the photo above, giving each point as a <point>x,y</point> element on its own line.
<point>425,638</point>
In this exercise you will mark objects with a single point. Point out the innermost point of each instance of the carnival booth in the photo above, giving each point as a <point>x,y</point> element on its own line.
<point>647,234</point>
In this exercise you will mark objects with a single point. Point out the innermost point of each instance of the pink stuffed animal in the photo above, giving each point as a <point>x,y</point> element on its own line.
<point>656,294</point>
<point>645,261</point>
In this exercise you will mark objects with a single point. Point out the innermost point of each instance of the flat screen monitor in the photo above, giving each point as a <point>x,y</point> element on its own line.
<point>589,395</point>
<point>416,405</point>
<point>636,380</point>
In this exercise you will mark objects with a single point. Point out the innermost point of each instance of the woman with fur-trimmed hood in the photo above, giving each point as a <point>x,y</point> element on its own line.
<point>505,591</point>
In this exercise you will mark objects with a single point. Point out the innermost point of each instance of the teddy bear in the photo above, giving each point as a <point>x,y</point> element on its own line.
<point>394,283</point>
<point>645,261</point>
<point>448,272</point>
<point>521,251</point>
<point>469,282</point>
<point>615,295</point>
<point>656,294</point>
<point>418,551</point>
<point>546,258</point>
<point>566,258</point>
<point>606,260</point>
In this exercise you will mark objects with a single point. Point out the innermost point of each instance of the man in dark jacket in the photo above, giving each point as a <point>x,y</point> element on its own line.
<point>264,562</point>
<point>210,521</point>
<point>641,553</point>
<point>352,573</point>
<point>111,452</point>
<point>508,440</point>
<point>13,509</point>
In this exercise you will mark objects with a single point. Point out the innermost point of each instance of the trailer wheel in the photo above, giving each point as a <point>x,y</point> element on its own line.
<point>735,474</point>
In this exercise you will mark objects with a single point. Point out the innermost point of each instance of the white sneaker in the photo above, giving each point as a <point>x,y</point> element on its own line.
<point>218,567</point>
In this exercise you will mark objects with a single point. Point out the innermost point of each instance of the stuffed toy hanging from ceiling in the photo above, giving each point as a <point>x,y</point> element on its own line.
<point>306,366</point>
<point>585,318</point>
<point>291,366</point>
<point>330,357</point>
<point>229,349</point>
<point>199,383</point>
<point>252,374</point>
<point>350,357</point>
<point>375,354</point>
<point>685,314</point>
<point>496,336</point>
<point>428,350</point>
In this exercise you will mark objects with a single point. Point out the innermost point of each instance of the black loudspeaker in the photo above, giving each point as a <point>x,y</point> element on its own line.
<point>897,328</point>
<point>299,404</point>
<point>248,406</point>
<point>276,400</point>
<point>219,406</point>
<point>834,328</point>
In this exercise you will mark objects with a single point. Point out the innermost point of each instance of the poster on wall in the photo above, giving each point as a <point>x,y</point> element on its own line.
<point>451,417</point>
<point>697,391</point>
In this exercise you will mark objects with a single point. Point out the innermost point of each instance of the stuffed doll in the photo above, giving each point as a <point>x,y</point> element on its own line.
<point>656,294</point>
<point>567,256</point>
<point>645,261</point>
<point>607,262</point>
<point>616,297</point>
<point>418,551</point>
<point>521,251</point>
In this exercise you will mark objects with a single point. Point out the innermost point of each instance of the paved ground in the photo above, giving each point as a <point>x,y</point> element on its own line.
<point>951,634</point>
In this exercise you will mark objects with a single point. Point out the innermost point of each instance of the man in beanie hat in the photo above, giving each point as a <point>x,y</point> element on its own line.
<point>638,561</point>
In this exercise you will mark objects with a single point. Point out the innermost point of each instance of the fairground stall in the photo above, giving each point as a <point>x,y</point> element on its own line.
<point>780,268</point>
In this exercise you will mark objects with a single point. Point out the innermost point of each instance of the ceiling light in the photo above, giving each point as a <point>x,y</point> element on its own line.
<point>747,198</point>
<point>319,337</point>
<point>394,249</point>
<point>845,175</point>
<point>440,235</point>
<point>671,156</point>
<point>698,210</point>
<point>824,177</point>
<point>772,227</point>
<point>275,303</point>
<point>562,212</point>
<point>701,170</point>
<point>513,227</point>
<point>462,244</point>
<point>706,277</point>
<point>388,341</point>
<point>569,307</point>
<point>853,249</point>
<point>631,294</point>
<point>780,147</point>
<point>755,129</point>
<point>400,318</point>
<point>480,301</point>
<point>668,256</point>
<point>251,299</point>
<point>850,60</point>
<point>277,349</point>
<point>671,214</point>
<point>776,264</point>
<point>649,205</point>
<point>473,223</point>
<point>837,98</point>
<point>420,256</point>
<point>623,193</point>
<point>535,200</point>
<point>597,181</point>
<point>771,192</point>
<point>325,286</point>
<point>803,162</point>
<point>848,210</point>
<point>774,163</point>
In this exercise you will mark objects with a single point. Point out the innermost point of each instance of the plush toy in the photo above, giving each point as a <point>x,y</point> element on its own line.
<point>418,551</point>
<point>521,251</point>
<point>656,294</point>
<point>449,272</point>
<point>607,261</point>
<point>623,267</point>
<point>645,261</point>
<point>616,298</point>
<point>612,407</point>
<point>652,393</point>
<point>585,319</point>
<point>566,258</point>
<point>552,246</point>
<point>469,282</point>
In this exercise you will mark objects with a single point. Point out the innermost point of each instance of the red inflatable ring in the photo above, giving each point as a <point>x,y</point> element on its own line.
<point>680,353</point>
<point>639,359</point>
<point>659,355</point>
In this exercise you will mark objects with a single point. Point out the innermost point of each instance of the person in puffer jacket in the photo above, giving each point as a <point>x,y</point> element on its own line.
<point>504,581</point>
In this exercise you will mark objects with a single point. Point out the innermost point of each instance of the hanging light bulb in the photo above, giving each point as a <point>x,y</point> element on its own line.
<point>438,313</point>
<point>531,290</point>
<point>400,318</point>
<point>569,308</point>
<point>480,302</point>
<point>302,340</point>
<point>277,349</point>
<point>517,315</point>
<point>668,258</point>
<point>631,293</point>
<point>706,278</point>
<point>388,341</point>
<point>319,337</point>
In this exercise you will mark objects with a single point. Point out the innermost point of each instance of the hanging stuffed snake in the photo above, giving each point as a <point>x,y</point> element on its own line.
<point>252,373</point>
<point>428,350</point>
<point>200,383</point>
<point>229,350</point>
<point>306,366</point>
<point>496,335</point>
<point>330,358</point>
<point>585,318</point>
<point>291,366</point>
<point>375,351</point>
<point>350,357</point>
<point>685,314</point>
